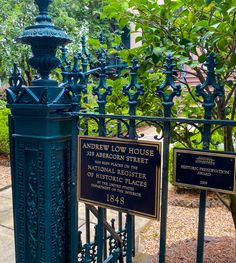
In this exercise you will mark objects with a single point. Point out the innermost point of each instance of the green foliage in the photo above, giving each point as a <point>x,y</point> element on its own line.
<point>188,30</point>
<point>117,102</point>
<point>4,136</point>
<point>76,18</point>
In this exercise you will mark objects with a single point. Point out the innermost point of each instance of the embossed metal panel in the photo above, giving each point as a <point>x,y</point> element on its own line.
<point>205,170</point>
<point>120,174</point>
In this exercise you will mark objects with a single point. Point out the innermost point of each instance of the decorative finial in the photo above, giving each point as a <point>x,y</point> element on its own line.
<point>174,90</point>
<point>44,39</point>
<point>209,94</point>
<point>133,90</point>
<point>43,11</point>
<point>211,62</point>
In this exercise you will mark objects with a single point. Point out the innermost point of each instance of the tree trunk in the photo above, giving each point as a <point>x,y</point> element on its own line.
<point>228,147</point>
<point>233,208</point>
<point>228,139</point>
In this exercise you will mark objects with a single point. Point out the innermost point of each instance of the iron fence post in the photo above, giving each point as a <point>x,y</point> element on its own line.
<point>100,232</point>
<point>40,136</point>
<point>72,202</point>
<point>133,90</point>
<point>208,105</point>
<point>164,192</point>
<point>167,103</point>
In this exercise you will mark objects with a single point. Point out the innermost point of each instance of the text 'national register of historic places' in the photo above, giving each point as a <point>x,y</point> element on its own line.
<point>120,174</point>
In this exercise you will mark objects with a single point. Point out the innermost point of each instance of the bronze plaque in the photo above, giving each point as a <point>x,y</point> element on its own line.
<point>120,174</point>
<point>209,170</point>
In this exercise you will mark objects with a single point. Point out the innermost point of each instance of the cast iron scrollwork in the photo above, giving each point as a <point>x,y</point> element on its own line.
<point>209,95</point>
<point>61,208</point>
<point>160,131</point>
<point>102,90</point>
<point>134,89</point>
<point>15,81</point>
<point>161,90</point>
<point>214,129</point>
<point>32,211</point>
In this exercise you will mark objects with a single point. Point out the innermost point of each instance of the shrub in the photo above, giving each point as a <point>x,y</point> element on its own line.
<point>4,131</point>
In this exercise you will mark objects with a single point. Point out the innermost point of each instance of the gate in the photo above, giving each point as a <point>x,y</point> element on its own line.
<point>45,123</point>
<point>126,127</point>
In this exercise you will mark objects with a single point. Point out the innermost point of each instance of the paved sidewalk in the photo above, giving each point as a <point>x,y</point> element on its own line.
<point>7,253</point>
<point>6,228</point>
<point>7,231</point>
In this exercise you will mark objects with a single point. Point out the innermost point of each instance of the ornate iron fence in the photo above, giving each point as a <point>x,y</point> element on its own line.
<point>76,81</point>
<point>44,125</point>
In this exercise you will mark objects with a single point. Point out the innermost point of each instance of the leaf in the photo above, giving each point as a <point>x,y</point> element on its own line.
<point>123,22</point>
<point>232,63</point>
<point>202,23</point>
<point>215,25</point>
<point>158,51</point>
<point>125,5</point>
<point>184,41</point>
<point>156,58</point>
<point>231,10</point>
<point>208,34</point>
<point>202,58</point>
<point>138,39</point>
<point>222,44</point>
<point>94,42</point>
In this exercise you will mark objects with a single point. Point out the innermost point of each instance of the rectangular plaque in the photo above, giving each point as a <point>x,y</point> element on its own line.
<point>120,174</point>
<point>207,170</point>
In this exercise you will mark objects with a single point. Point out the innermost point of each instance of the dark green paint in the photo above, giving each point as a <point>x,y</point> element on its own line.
<point>208,105</point>
<point>44,124</point>
<point>40,137</point>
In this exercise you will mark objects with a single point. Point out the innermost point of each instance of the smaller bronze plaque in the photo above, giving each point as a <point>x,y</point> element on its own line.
<point>209,170</point>
<point>120,174</point>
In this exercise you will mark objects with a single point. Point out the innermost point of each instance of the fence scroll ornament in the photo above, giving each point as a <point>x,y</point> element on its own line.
<point>161,90</point>
<point>205,90</point>
<point>133,90</point>
<point>69,102</point>
<point>15,82</point>
<point>167,91</point>
<point>102,90</point>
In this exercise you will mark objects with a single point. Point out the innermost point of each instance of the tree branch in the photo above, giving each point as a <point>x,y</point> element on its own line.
<point>234,106</point>
<point>229,95</point>
<point>224,201</point>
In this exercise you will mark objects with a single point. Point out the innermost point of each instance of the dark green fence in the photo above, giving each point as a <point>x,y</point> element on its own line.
<point>103,124</point>
<point>45,121</point>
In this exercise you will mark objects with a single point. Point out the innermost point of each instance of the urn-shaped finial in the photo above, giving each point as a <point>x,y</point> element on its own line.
<point>44,39</point>
<point>43,5</point>
<point>43,10</point>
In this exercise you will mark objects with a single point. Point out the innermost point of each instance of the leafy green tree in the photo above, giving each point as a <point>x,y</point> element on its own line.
<point>74,17</point>
<point>189,30</point>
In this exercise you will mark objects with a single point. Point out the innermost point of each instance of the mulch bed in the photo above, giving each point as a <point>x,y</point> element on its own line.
<point>220,234</point>
<point>190,198</point>
<point>216,250</point>
<point>4,160</point>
